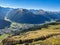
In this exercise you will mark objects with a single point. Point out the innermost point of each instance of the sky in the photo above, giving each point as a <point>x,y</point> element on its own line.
<point>48,5</point>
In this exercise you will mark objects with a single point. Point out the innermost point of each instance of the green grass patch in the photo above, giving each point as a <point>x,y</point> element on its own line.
<point>3,36</point>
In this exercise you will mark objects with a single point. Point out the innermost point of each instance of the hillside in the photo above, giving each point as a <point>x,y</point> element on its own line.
<point>39,36</point>
<point>4,24</point>
<point>4,12</point>
<point>25,16</point>
<point>32,16</point>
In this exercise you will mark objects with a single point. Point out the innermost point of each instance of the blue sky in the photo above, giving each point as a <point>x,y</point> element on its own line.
<point>50,5</point>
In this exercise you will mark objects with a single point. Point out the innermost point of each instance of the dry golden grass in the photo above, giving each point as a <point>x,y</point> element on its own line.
<point>42,33</point>
<point>35,34</point>
<point>55,40</point>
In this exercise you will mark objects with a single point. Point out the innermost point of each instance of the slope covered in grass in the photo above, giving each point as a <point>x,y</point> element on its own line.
<point>55,40</point>
<point>44,35</point>
<point>3,37</point>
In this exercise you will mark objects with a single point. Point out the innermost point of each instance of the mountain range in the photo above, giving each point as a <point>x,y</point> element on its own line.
<point>32,16</point>
<point>26,16</point>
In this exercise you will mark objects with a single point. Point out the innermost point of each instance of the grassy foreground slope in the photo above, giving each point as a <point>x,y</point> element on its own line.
<point>3,37</point>
<point>44,36</point>
<point>55,40</point>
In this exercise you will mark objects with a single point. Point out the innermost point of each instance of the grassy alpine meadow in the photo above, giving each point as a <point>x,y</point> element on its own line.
<point>43,36</point>
<point>3,37</point>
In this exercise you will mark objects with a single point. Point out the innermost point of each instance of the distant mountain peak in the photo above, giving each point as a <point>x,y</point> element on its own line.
<point>40,11</point>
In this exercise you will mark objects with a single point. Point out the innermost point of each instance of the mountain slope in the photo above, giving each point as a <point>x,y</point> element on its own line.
<point>25,16</point>
<point>36,36</point>
<point>49,14</point>
<point>4,24</point>
<point>3,12</point>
